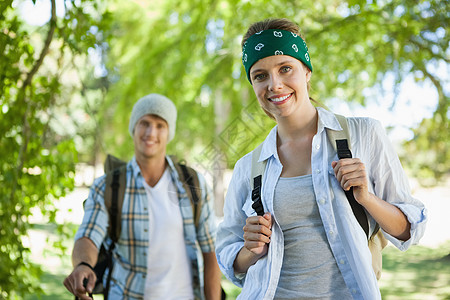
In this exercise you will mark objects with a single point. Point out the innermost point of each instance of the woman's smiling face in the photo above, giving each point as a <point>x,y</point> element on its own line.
<point>280,83</point>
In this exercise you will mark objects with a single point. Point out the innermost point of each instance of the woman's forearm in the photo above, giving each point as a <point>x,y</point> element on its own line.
<point>389,217</point>
<point>244,260</point>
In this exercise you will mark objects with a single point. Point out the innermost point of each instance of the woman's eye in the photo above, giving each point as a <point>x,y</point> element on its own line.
<point>285,69</point>
<point>259,77</point>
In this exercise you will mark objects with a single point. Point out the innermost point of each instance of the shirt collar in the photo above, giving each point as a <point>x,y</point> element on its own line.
<point>137,169</point>
<point>173,170</point>
<point>326,119</point>
<point>269,147</point>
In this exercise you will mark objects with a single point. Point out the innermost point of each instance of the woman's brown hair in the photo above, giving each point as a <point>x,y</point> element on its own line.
<point>283,24</point>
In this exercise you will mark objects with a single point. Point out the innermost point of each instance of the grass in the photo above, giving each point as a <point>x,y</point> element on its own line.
<point>420,273</point>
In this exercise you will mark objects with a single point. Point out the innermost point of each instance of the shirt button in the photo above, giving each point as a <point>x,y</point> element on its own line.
<point>332,232</point>
<point>353,291</point>
<point>322,201</point>
<point>317,147</point>
<point>342,262</point>
<point>317,171</point>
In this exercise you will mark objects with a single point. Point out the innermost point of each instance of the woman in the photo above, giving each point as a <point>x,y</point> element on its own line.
<point>308,244</point>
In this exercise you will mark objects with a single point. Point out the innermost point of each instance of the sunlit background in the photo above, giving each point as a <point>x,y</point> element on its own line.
<point>70,71</point>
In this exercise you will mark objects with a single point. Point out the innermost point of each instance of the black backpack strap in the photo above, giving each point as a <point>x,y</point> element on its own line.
<point>113,197</point>
<point>339,139</point>
<point>257,172</point>
<point>110,270</point>
<point>358,210</point>
<point>114,200</point>
<point>114,204</point>
<point>189,178</point>
<point>256,196</point>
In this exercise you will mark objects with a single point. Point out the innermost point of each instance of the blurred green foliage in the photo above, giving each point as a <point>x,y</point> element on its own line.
<point>37,162</point>
<point>190,51</point>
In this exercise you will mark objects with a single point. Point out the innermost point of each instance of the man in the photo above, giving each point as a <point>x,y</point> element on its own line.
<point>157,255</point>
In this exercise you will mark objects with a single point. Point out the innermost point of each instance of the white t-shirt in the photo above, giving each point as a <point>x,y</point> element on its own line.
<point>169,274</point>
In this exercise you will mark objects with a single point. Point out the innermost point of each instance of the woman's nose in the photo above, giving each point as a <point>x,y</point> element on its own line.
<point>275,83</point>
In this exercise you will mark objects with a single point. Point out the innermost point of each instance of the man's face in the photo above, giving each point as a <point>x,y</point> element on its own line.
<point>150,137</point>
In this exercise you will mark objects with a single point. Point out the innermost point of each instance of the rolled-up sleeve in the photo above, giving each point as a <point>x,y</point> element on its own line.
<point>391,184</point>
<point>95,221</point>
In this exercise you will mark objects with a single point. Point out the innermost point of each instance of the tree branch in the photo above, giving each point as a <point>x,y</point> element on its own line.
<point>428,49</point>
<point>22,94</point>
<point>438,86</point>
<point>45,49</point>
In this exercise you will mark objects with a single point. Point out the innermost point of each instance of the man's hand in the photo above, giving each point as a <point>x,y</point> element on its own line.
<point>81,281</point>
<point>84,252</point>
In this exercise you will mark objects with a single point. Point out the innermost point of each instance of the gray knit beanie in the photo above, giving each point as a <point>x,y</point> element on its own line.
<point>154,104</point>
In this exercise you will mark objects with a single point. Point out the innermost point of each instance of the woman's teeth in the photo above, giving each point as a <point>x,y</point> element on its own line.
<point>280,98</point>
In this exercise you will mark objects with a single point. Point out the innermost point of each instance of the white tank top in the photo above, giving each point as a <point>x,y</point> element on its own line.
<point>169,274</point>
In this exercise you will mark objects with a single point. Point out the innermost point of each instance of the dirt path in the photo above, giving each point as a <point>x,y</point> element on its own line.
<point>437,202</point>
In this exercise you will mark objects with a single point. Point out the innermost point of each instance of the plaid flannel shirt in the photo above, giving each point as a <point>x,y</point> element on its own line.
<point>130,261</point>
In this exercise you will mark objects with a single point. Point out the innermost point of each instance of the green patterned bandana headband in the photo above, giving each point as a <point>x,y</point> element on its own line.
<point>274,42</point>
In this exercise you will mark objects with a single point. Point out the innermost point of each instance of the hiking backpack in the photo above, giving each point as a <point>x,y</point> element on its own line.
<point>115,185</point>
<point>339,140</point>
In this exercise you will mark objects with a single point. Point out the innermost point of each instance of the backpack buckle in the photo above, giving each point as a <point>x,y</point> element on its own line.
<point>257,203</point>
<point>342,149</point>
